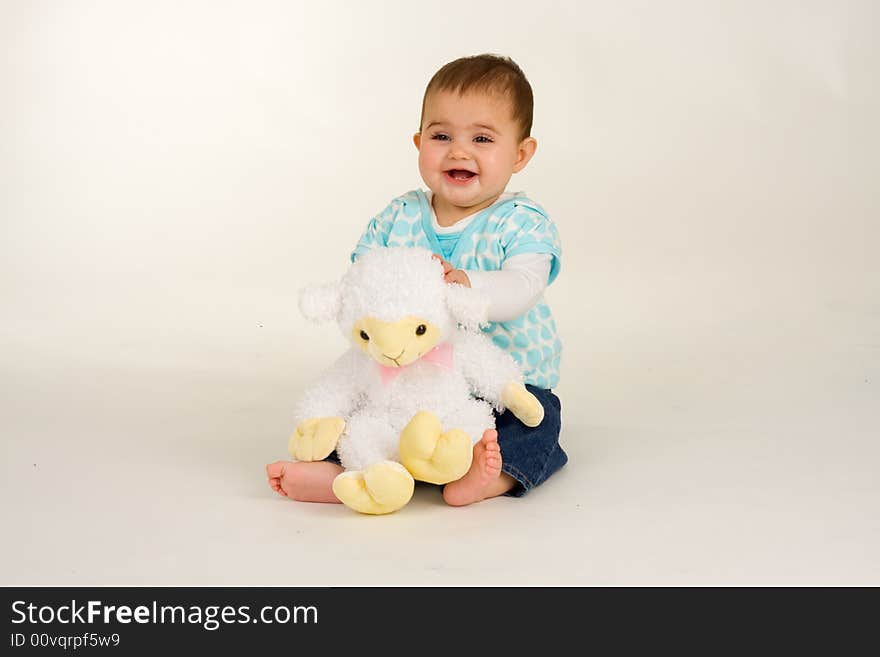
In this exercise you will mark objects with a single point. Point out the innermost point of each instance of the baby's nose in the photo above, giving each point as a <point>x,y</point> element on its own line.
<point>459,153</point>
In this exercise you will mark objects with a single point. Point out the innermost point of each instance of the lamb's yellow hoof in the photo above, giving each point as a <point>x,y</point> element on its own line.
<point>315,438</point>
<point>383,487</point>
<point>431,455</point>
<point>523,404</point>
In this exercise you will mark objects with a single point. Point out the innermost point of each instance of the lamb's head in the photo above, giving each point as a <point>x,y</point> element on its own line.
<point>394,305</point>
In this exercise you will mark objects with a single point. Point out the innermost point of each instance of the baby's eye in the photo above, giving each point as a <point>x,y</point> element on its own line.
<point>482,139</point>
<point>440,137</point>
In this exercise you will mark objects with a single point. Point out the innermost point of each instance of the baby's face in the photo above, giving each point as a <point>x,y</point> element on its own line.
<point>469,147</point>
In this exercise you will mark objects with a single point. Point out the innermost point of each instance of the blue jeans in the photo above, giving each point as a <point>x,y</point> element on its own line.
<point>529,454</point>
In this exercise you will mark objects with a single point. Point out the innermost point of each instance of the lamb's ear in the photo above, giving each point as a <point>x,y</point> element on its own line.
<point>320,303</point>
<point>470,308</point>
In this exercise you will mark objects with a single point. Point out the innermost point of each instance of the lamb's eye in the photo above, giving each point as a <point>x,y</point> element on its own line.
<point>420,329</point>
<point>364,335</point>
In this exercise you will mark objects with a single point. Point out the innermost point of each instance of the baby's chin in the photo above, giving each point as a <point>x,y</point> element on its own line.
<point>474,198</point>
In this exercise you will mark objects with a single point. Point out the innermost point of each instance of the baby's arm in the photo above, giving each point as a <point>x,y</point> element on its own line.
<point>321,411</point>
<point>513,289</point>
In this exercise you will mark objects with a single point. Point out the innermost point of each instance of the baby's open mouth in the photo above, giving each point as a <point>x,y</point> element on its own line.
<point>460,174</point>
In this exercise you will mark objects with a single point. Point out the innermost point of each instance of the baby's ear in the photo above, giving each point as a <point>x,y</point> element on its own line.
<point>320,303</point>
<point>470,308</point>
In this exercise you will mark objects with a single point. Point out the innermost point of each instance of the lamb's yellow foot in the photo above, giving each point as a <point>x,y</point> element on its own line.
<point>383,487</point>
<point>431,455</point>
<point>523,404</point>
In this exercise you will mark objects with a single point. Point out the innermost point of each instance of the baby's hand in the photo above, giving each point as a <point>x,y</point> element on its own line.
<point>452,275</point>
<point>523,404</point>
<point>315,438</point>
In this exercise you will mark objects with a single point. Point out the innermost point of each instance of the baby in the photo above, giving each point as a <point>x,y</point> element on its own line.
<point>474,134</point>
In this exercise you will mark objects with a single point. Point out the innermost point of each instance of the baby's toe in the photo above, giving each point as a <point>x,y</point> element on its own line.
<point>275,470</point>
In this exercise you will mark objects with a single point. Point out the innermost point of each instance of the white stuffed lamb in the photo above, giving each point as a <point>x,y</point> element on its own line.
<point>400,404</point>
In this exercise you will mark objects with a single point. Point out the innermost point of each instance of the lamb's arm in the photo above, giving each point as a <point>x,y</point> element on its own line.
<point>337,391</point>
<point>486,368</point>
<point>494,376</point>
<point>320,413</point>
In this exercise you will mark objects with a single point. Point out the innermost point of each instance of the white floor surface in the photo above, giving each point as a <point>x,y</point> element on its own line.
<point>742,455</point>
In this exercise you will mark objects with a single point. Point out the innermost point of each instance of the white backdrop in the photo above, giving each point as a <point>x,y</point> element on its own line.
<point>172,173</point>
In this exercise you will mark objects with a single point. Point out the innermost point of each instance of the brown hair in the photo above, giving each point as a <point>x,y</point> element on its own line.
<point>487,73</point>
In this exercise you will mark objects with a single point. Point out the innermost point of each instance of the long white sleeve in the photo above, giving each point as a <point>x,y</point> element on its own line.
<point>514,288</point>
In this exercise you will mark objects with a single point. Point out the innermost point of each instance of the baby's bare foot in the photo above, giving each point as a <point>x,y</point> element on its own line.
<point>277,473</point>
<point>484,479</point>
<point>304,481</point>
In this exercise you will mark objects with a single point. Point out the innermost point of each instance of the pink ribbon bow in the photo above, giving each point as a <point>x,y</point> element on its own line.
<point>440,355</point>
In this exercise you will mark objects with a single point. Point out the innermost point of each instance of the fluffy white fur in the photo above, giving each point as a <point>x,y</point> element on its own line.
<point>390,284</point>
